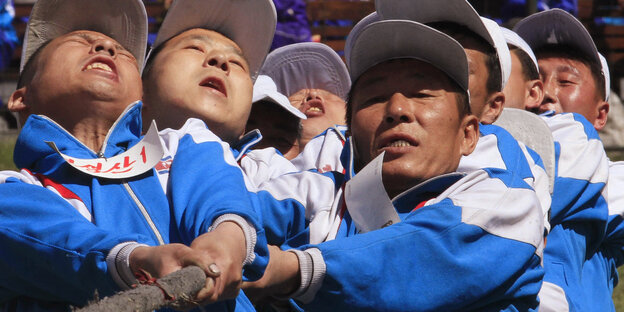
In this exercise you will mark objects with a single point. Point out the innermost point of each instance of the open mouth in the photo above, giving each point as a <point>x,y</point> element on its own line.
<point>214,83</point>
<point>101,64</point>
<point>314,108</point>
<point>397,141</point>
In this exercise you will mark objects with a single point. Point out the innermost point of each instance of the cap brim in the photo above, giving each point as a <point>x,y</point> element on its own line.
<point>307,65</point>
<point>515,40</point>
<point>122,20</point>
<point>431,11</point>
<point>249,23</point>
<point>395,39</point>
<point>556,27</point>
<point>265,90</point>
<point>607,76</point>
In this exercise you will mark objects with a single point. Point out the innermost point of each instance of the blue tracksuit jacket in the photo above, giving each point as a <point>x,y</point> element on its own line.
<point>59,225</point>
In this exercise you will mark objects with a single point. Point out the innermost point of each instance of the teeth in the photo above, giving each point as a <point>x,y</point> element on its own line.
<point>101,66</point>
<point>314,109</point>
<point>399,143</point>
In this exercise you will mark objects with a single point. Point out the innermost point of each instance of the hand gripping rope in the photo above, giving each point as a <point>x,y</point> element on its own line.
<point>175,290</point>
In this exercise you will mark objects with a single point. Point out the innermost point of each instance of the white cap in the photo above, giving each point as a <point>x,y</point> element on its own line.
<point>249,23</point>
<point>454,11</point>
<point>307,65</point>
<point>607,76</point>
<point>396,39</point>
<point>122,20</point>
<point>264,89</point>
<point>515,40</point>
<point>558,27</point>
<point>357,28</point>
<point>502,50</point>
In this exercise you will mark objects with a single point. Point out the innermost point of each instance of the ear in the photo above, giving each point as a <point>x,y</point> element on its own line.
<point>601,118</point>
<point>470,130</point>
<point>535,94</point>
<point>493,108</point>
<point>18,105</point>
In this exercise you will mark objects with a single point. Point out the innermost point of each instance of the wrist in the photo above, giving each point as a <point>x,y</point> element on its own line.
<point>248,234</point>
<point>119,262</point>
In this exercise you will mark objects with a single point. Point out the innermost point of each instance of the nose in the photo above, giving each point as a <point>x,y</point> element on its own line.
<point>398,110</point>
<point>106,46</point>
<point>219,61</point>
<point>313,94</point>
<point>550,92</point>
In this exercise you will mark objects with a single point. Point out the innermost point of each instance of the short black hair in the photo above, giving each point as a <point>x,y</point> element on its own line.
<point>529,71</point>
<point>570,52</point>
<point>149,62</point>
<point>456,31</point>
<point>28,72</point>
<point>462,98</point>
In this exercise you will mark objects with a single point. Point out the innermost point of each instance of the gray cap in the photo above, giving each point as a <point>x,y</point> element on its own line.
<point>396,39</point>
<point>307,65</point>
<point>454,11</point>
<point>558,27</point>
<point>249,23</point>
<point>123,20</point>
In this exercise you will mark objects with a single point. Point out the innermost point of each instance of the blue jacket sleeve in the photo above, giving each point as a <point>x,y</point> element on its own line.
<point>205,182</point>
<point>53,253</point>
<point>470,250</point>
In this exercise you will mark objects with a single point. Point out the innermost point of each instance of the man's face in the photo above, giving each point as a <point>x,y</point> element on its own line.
<point>323,109</point>
<point>515,90</point>
<point>201,74</point>
<point>81,67</point>
<point>408,109</point>
<point>568,86</point>
<point>279,128</point>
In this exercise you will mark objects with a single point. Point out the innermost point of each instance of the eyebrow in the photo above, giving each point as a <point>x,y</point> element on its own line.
<point>91,38</point>
<point>568,69</point>
<point>208,40</point>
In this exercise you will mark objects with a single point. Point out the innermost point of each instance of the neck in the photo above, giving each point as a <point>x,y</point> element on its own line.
<point>292,152</point>
<point>91,132</point>
<point>306,137</point>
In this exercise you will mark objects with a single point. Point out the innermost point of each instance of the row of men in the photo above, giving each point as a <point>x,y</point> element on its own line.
<point>419,193</point>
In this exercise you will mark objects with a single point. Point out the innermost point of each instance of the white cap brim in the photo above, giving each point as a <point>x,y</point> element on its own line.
<point>249,23</point>
<point>515,40</point>
<point>558,27</point>
<point>122,20</point>
<point>265,90</point>
<point>397,39</point>
<point>502,50</point>
<point>607,76</point>
<point>307,65</point>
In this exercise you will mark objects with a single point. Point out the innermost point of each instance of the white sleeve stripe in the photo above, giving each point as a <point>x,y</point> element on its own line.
<point>514,214</point>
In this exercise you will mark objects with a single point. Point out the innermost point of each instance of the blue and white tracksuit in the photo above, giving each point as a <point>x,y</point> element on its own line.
<point>496,148</point>
<point>600,273</point>
<point>316,217</point>
<point>66,234</point>
<point>578,213</point>
<point>465,242</point>
<point>322,153</point>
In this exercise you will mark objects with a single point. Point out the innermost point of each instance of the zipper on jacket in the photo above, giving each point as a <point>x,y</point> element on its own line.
<point>144,212</point>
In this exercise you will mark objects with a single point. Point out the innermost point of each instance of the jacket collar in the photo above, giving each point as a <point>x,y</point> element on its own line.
<point>244,145</point>
<point>423,191</point>
<point>32,151</point>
